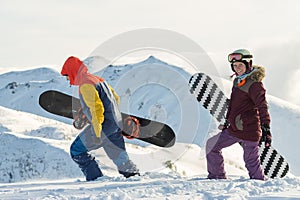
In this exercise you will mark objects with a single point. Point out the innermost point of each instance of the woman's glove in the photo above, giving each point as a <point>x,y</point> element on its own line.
<point>223,126</point>
<point>266,135</point>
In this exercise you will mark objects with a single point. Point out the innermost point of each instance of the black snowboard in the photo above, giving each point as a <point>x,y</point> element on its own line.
<point>65,105</point>
<point>209,95</point>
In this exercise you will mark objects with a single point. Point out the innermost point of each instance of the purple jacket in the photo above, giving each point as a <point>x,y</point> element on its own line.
<point>248,108</point>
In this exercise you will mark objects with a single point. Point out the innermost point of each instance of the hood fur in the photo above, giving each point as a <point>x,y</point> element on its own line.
<point>259,74</point>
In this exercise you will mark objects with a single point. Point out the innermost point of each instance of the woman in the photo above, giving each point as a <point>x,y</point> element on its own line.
<point>247,119</point>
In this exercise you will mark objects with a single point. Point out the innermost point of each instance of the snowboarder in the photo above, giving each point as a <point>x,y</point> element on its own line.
<point>100,105</point>
<point>247,119</point>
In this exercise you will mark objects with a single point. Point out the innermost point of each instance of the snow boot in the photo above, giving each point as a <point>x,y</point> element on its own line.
<point>88,166</point>
<point>128,169</point>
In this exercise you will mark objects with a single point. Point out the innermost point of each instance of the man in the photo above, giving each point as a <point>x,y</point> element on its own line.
<point>100,105</point>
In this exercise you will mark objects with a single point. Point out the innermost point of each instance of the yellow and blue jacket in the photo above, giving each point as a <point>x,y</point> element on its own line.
<point>98,99</point>
<point>100,105</point>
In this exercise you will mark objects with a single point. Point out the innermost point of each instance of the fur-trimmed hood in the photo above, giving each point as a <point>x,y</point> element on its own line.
<point>259,73</point>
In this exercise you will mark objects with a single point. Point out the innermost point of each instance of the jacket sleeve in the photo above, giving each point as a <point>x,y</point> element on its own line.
<point>258,95</point>
<point>115,94</point>
<point>95,105</point>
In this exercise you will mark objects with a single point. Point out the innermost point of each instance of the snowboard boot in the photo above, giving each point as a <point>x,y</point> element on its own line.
<point>128,169</point>
<point>88,166</point>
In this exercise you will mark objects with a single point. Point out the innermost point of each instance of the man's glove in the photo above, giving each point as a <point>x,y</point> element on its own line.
<point>266,135</point>
<point>80,120</point>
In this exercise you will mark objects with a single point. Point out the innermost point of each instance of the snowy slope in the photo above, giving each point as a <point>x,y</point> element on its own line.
<point>34,145</point>
<point>40,168</point>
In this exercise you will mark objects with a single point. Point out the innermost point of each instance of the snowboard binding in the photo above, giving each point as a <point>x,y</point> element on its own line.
<point>131,127</point>
<point>80,120</point>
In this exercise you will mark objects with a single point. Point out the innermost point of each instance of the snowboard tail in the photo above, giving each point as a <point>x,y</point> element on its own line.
<point>150,131</point>
<point>212,98</point>
<point>273,163</point>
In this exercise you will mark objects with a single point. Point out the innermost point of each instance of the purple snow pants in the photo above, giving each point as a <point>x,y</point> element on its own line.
<point>215,161</point>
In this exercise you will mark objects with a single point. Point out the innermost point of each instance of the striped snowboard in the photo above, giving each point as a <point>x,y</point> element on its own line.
<point>209,95</point>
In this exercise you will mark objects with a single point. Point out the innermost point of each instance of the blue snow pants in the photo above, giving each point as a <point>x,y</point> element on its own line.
<point>113,144</point>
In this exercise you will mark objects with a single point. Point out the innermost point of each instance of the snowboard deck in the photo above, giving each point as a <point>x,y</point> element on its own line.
<point>150,131</point>
<point>210,96</point>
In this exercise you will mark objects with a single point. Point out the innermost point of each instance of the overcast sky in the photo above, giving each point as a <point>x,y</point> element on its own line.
<point>36,33</point>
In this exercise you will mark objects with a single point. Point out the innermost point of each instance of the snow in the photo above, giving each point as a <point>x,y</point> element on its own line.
<point>35,161</point>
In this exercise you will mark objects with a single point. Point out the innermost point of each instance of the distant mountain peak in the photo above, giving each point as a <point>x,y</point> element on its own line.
<point>153,59</point>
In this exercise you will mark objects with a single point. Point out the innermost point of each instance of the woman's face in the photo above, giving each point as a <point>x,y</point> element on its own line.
<point>239,68</point>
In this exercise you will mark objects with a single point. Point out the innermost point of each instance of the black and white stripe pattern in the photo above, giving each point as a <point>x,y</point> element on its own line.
<point>209,95</point>
<point>273,163</point>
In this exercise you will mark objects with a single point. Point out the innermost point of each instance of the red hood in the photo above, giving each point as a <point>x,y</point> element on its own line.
<point>73,68</point>
<point>78,72</point>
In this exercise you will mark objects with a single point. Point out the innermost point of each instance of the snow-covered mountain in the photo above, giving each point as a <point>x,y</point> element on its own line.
<point>34,143</point>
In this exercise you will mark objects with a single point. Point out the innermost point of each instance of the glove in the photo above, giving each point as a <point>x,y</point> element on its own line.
<point>223,126</point>
<point>266,135</point>
<point>80,120</point>
<point>131,127</point>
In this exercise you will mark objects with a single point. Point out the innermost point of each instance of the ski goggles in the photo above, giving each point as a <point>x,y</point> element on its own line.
<point>237,57</point>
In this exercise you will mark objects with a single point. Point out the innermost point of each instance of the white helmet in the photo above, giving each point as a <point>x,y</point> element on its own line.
<point>241,55</point>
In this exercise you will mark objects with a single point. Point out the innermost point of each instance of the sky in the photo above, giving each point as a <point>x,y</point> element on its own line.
<point>37,33</point>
